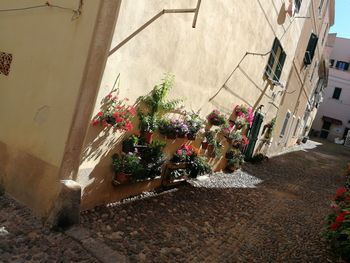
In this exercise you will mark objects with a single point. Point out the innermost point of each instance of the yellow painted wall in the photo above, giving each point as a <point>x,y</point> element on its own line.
<point>37,99</point>
<point>201,59</point>
<point>303,79</point>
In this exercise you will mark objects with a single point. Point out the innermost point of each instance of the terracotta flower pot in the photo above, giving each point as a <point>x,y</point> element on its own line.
<point>148,137</point>
<point>121,178</point>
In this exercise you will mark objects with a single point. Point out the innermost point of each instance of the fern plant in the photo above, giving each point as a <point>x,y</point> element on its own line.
<point>156,102</point>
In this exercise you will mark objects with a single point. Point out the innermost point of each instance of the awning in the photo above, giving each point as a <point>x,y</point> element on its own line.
<point>332,120</point>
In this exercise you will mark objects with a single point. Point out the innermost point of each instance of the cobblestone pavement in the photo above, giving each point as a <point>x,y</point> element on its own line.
<point>275,214</point>
<point>28,241</point>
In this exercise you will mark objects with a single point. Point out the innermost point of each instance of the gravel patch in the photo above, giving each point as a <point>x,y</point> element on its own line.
<point>237,179</point>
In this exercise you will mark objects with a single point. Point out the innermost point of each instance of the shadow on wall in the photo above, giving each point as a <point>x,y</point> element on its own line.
<point>95,172</point>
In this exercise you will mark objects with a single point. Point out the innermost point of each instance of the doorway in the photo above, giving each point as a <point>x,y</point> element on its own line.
<point>325,129</point>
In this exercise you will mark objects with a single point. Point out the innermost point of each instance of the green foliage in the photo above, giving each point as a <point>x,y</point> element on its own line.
<point>269,128</point>
<point>129,143</point>
<point>235,158</point>
<point>156,102</point>
<point>178,173</point>
<point>148,123</point>
<point>217,148</point>
<point>210,137</point>
<point>337,227</point>
<point>194,123</point>
<point>199,166</point>
<point>127,163</point>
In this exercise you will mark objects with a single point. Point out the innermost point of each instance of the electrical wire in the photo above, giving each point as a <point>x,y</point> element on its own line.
<point>76,12</point>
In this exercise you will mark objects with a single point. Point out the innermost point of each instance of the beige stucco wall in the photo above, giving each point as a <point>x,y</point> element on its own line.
<point>201,59</point>
<point>37,99</point>
<point>303,80</point>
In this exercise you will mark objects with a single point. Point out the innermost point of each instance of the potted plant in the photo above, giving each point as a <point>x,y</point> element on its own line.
<point>199,166</point>
<point>216,118</point>
<point>115,113</point>
<point>235,162</point>
<point>240,123</point>
<point>194,123</point>
<point>148,124</point>
<point>186,153</point>
<point>209,139</point>
<point>215,151</point>
<point>181,129</point>
<point>125,166</point>
<point>155,105</point>
<point>164,126</point>
<point>245,112</point>
<point>130,143</point>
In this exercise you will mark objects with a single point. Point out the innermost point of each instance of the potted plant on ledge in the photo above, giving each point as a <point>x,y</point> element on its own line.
<point>216,118</point>
<point>125,166</point>
<point>194,124</point>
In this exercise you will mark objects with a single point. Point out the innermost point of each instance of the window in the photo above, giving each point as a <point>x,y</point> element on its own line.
<point>297,4</point>
<point>296,128</point>
<point>332,63</point>
<point>276,61</point>
<point>285,123</point>
<point>342,65</point>
<point>336,93</point>
<point>310,50</point>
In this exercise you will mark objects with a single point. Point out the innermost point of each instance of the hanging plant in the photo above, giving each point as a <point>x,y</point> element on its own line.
<point>268,131</point>
<point>244,112</point>
<point>216,118</point>
<point>115,113</point>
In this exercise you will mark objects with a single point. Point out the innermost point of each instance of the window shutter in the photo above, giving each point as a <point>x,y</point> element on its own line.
<point>310,51</point>
<point>281,61</point>
<point>272,58</point>
<point>346,67</point>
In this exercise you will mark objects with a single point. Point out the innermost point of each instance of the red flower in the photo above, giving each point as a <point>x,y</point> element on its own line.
<point>245,140</point>
<point>179,152</point>
<point>104,123</point>
<point>109,96</point>
<point>340,192</point>
<point>339,219</point>
<point>334,226</point>
<point>100,114</point>
<point>118,119</point>
<point>95,122</point>
<point>128,126</point>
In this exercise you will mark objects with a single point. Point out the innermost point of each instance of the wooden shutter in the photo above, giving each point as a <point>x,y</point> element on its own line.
<point>279,68</point>
<point>253,135</point>
<point>310,51</point>
<point>271,60</point>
